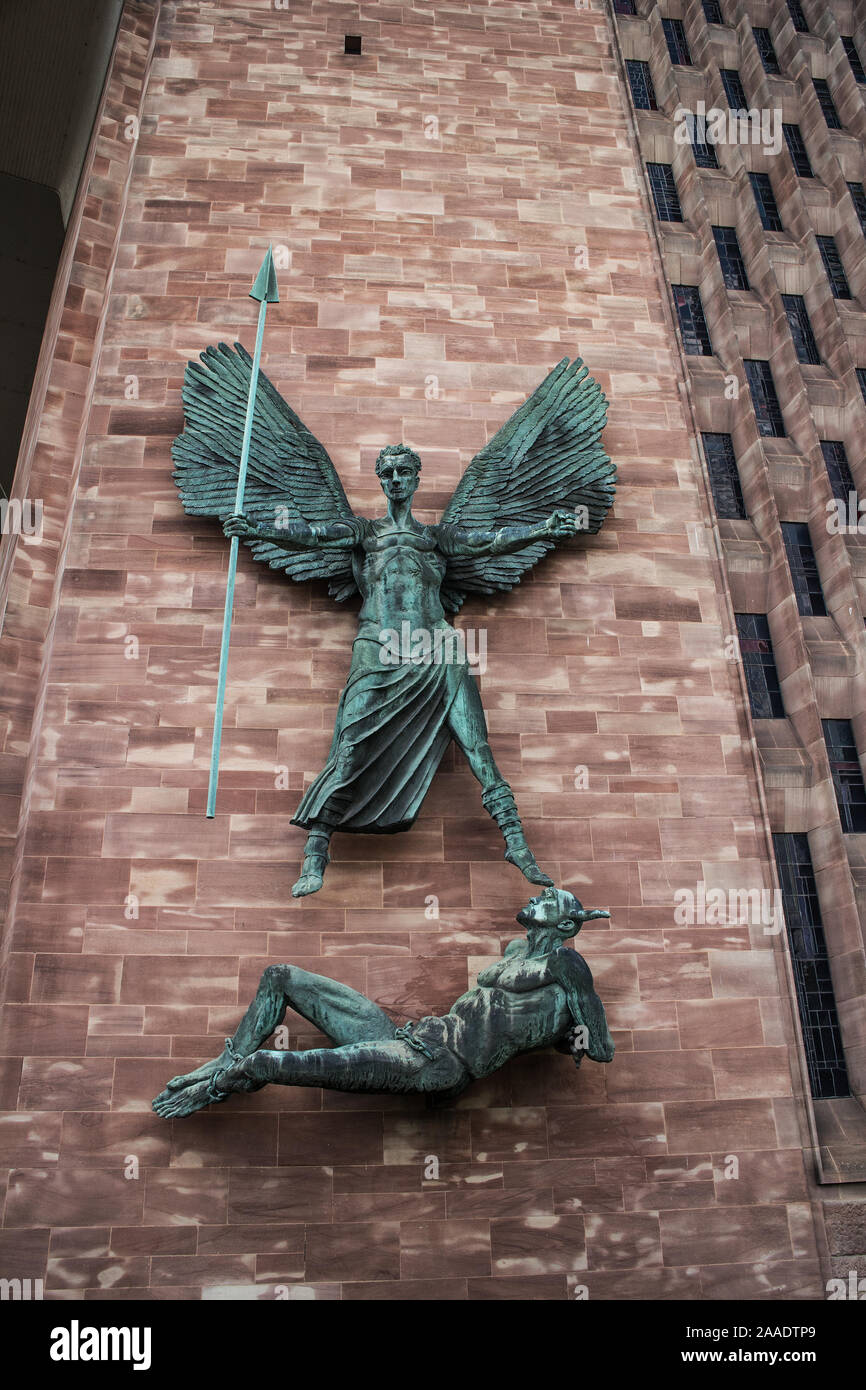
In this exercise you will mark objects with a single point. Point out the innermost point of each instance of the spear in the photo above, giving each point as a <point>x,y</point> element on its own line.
<point>265,291</point>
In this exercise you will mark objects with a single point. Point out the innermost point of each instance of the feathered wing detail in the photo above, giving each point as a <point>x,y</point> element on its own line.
<point>547,455</point>
<point>290,476</point>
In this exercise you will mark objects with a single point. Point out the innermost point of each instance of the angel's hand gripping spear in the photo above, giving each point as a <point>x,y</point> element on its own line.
<point>542,477</point>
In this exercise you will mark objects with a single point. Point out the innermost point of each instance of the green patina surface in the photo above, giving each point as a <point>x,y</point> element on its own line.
<point>542,478</point>
<point>540,994</point>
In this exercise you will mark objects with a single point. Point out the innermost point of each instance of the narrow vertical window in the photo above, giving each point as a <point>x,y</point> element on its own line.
<point>834,267</point>
<point>816,1002</point>
<point>768,412</point>
<point>678,47</point>
<point>768,211</point>
<point>762,678</point>
<point>724,476</point>
<point>801,329</point>
<point>795,10</point>
<point>731,258</point>
<point>705,155</point>
<point>693,325</point>
<point>854,59</point>
<point>734,90</point>
<point>643,93</point>
<point>766,51</point>
<point>858,198</point>
<point>664,190</point>
<point>797,150</point>
<point>847,774</point>
<point>838,468</point>
<point>804,570</point>
<point>825,100</point>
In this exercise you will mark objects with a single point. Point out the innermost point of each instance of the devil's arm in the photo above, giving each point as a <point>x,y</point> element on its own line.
<point>570,971</point>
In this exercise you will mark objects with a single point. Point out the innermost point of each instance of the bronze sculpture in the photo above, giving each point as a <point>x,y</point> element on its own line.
<point>543,476</point>
<point>539,995</point>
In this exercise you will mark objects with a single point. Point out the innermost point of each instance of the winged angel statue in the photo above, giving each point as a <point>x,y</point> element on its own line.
<point>542,477</point>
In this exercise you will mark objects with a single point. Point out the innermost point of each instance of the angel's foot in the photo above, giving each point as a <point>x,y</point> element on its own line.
<point>523,859</point>
<point>316,861</point>
<point>499,802</point>
<point>312,875</point>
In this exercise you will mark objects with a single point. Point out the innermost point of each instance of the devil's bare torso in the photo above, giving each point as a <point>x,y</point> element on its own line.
<point>516,1006</point>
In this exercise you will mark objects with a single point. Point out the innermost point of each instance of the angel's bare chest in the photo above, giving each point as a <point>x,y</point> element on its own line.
<point>402,561</point>
<point>399,574</point>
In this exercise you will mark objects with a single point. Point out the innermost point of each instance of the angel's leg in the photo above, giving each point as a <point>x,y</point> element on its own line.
<point>345,758</point>
<point>316,860</point>
<point>469,728</point>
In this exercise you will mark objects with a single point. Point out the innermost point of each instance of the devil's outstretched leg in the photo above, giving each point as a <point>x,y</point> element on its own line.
<point>337,1010</point>
<point>371,1067</point>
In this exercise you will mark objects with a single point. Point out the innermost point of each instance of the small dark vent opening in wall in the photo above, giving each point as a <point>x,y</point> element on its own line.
<point>352,43</point>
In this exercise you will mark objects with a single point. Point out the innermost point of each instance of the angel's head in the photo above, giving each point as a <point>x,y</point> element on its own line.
<point>397,469</point>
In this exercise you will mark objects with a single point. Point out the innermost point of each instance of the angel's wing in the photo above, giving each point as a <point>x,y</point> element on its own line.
<point>290,476</point>
<point>547,455</point>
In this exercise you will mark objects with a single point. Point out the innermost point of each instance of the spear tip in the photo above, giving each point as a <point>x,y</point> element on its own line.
<point>265,284</point>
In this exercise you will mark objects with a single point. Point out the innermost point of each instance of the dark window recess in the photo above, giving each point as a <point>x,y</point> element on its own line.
<point>854,59</point>
<point>624,7</point>
<point>858,198</point>
<point>764,399</point>
<point>834,267</point>
<point>816,1002</point>
<point>693,325</point>
<point>762,680</point>
<point>664,191</point>
<point>705,155</point>
<point>804,570</point>
<point>352,44</point>
<point>847,774</point>
<point>643,93</point>
<point>768,212</point>
<point>838,468</point>
<point>797,150</point>
<point>801,329</point>
<point>861,381</point>
<point>795,10</point>
<point>724,477</point>
<point>731,258</point>
<point>678,47</point>
<point>713,12</point>
<point>734,90</point>
<point>822,92</point>
<point>766,50</point>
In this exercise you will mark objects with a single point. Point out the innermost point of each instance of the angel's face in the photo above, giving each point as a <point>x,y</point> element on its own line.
<point>399,479</point>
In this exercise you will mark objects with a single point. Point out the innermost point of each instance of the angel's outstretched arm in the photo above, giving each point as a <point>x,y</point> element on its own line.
<point>459,540</point>
<point>297,535</point>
